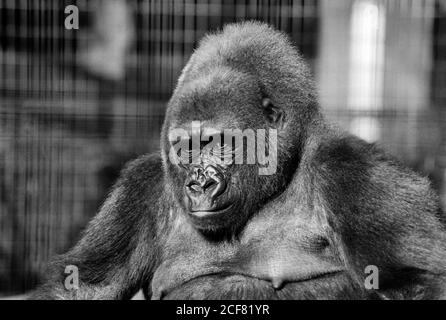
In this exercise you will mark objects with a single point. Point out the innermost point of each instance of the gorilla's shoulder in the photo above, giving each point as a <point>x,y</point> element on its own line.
<point>347,150</point>
<point>142,172</point>
<point>350,159</point>
<point>348,163</point>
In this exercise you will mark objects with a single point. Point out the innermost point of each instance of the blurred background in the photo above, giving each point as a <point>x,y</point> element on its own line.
<point>77,103</point>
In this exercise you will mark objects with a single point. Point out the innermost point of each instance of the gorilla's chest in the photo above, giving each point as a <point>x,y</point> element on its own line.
<point>263,263</point>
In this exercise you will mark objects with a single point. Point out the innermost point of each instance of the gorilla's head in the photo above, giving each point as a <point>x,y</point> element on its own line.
<point>235,125</point>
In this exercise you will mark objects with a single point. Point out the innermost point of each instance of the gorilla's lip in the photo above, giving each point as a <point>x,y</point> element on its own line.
<point>210,212</point>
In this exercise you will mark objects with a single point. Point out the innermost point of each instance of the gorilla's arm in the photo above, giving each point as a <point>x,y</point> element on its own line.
<point>117,252</point>
<point>387,215</point>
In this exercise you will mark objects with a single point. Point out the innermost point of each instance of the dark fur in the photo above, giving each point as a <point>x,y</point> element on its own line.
<point>335,199</point>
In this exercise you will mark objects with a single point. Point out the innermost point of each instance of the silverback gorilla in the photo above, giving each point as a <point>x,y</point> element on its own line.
<point>207,230</point>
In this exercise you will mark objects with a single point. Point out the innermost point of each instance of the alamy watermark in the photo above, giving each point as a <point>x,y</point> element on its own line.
<point>72,18</point>
<point>72,279</point>
<point>371,281</point>
<point>224,148</point>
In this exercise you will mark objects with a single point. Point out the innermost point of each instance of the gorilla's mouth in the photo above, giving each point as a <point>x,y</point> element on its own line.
<point>211,212</point>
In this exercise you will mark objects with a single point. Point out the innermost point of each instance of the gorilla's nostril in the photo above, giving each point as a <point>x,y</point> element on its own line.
<point>194,186</point>
<point>209,184</point>
<point>221,187</point>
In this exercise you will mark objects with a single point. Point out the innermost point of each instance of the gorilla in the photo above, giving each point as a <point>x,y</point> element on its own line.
<point>183,224</point>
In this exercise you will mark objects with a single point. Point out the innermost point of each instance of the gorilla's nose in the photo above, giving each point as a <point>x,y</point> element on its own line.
<point>204,185</point>
<point>201,185</point>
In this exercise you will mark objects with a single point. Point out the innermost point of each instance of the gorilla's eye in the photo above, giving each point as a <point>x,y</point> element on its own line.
<point>224,152</point>
<point>185,156</point>
<point>273,113</point>
<point>183,150</point>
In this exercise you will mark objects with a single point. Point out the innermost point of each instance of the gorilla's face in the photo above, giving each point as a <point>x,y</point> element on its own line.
<point>223,142</point>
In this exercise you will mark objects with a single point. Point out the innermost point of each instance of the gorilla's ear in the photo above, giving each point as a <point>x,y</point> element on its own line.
<point>273,113</point>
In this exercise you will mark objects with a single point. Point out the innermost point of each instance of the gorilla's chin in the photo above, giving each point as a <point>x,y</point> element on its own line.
<point>222,220</point>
